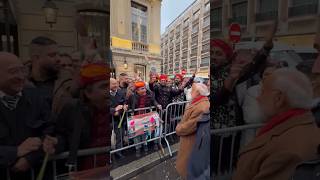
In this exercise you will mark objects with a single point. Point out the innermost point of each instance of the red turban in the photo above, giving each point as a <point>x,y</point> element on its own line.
<point>179,76</point>
<point>163,77</point>
<point>226,48</point>
<point>92,73</point>
<point>139,84</point>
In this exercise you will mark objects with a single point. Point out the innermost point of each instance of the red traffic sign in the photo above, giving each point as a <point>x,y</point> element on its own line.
<point>235,32</point>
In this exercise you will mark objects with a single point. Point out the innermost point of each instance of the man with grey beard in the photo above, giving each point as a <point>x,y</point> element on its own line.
<point>289,136</point>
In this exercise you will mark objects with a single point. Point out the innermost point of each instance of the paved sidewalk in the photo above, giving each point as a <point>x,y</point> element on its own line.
<point>153,166</point>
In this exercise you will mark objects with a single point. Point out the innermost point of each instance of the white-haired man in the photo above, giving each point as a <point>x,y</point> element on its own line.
<point>187,127</point>
<point>290,135</point>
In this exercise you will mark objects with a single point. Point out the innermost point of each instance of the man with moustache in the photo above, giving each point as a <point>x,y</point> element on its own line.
<point>24,120</point>
<point>289,136</point>
<point>124,81</point>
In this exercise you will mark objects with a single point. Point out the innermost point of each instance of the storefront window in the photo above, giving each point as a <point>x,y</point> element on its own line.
<point>140,71</point>
<point>97,26</point>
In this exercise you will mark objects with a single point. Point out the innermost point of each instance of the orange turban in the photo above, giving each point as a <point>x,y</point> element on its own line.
<point>139,84</point>
<point>92,73</point>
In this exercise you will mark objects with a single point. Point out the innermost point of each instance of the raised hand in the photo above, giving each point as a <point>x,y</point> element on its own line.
<point>270,34</point>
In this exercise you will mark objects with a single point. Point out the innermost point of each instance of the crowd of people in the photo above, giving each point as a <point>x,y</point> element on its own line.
<point>264,91</point>
<point>132,93</point>
<point>52,103</point>
<point>57,102</point>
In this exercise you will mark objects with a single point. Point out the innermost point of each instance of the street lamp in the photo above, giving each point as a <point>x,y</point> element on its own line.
<point>125,64</point>
<point>50,11</point>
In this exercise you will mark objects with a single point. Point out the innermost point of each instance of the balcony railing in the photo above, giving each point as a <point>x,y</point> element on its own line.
<point>266,16</point>
<point>308,9</point>
<point>240,19</point>
<point>138,46</point>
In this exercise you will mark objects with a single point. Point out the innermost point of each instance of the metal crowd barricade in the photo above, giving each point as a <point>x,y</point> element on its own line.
<point>125,143</point>
<point>173,114</point>
<point>64,156</point>
<point>246,132</point>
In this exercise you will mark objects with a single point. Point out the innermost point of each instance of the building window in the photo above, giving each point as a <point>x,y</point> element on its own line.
<point>268,6</point>
<point>194,52</point>
<point>300,8</point>
<point>304,2</point>
<point>206,35</point>
<point>207,7</point>
<point>267,10</point>
<point>139,15</point>
<point>205,48</point>
<point>216,17</point>
<point>193,63</point>
<point>186,23</point>
<point>239,13</point>
<point>196,14</point>
<point>140,71</point>
<point>195,28</point>
<point>206,21</point>
<point>194,41</point>
<point>205,62</point>
<point>97,27</point>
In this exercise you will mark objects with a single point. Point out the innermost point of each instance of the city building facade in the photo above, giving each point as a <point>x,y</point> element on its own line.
<point>135,37</point>
<point>297,19</point>
<point>185,45</point>
<point>21,21</point>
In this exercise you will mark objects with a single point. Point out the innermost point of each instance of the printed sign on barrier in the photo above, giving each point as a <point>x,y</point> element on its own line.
<point>143,124</point>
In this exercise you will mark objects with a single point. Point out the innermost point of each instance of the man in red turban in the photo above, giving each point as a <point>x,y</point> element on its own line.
<point>221,52</point>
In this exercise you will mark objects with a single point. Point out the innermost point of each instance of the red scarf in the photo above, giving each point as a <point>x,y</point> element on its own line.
<point>198,99</point>
<point>279,119</point>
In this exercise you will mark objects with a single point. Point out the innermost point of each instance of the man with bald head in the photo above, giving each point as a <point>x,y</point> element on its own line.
<point>24,119</point>
<point>118,98</point>
<point>289,135</point>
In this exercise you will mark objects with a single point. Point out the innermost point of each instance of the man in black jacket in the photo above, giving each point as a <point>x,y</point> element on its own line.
<point>44,57</point>
<point>164,94</point>
<point>118,98</point>
<point>24,120</point>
